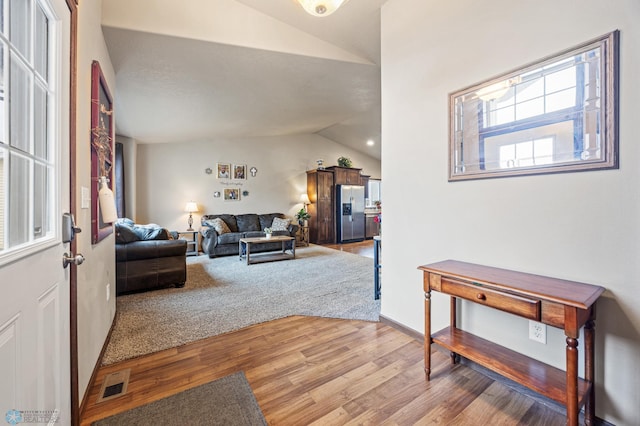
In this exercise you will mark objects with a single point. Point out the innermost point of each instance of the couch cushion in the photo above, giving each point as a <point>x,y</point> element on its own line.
<point>125,234</point>
<point>229,219</point>
<point>150,232</point>
<point>230,238</point>
<point>127,231</point>
<point>266,220</point>
<point>152,249</point>
<point>219,225</point>
<point>254,234</point>
<point>248,222</point>
<point>280,224</point>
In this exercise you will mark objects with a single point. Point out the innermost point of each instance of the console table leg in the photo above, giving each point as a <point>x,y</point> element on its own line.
<point>572,382</point>
<point>427,331</point>
<point>589,372</point>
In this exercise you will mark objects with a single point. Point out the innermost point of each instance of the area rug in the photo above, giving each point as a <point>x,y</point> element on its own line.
<point>224,294</point>
<point>228,401</point>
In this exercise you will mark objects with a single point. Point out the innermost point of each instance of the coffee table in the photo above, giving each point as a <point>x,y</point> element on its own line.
<point>244,249</point>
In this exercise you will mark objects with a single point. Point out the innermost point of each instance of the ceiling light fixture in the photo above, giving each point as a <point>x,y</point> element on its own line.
<point>320,8</point>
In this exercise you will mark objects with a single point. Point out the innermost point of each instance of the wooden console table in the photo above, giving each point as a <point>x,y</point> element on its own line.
<point>559,303</point>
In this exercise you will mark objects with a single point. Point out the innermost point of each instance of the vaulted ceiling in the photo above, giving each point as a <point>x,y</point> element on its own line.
<point>224,69</point>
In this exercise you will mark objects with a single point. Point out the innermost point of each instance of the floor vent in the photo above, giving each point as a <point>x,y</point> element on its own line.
<point>114,385</point>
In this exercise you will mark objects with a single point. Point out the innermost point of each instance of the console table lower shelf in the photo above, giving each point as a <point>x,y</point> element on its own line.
<point>535,375</point>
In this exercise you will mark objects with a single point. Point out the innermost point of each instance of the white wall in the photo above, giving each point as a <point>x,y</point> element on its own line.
<point>170,175</point>
<point>95,313</point>
<point>576,226</point>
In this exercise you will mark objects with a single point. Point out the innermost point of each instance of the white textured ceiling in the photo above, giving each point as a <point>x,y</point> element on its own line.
<point>242,68</point>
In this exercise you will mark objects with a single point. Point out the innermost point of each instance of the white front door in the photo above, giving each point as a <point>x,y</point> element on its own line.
<point>34,192</point>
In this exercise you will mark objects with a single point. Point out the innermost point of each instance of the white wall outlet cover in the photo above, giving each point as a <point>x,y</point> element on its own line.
<point>538,332</point>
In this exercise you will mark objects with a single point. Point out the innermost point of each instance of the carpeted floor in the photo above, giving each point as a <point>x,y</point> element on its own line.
<point>224,294</point>
<point>228,401</point>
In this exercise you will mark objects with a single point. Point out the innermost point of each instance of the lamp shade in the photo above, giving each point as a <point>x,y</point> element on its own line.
<point>320,8</point>
<point>304,199</point>
<point>191,207</point>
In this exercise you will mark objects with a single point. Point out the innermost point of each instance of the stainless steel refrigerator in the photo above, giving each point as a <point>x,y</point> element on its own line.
<point>350,213</point>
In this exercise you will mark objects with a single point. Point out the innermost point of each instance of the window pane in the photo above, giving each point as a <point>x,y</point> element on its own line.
<point>40,214</point>
<point>543,151</point>
<point>40,123</point>
<point>561,100</point>
<point>19,106</point>
<point>530,89</point>
<point>3,192</point>
<point>530,108</point>
<point>1,19</point>
<point>20,25</point>
<point>524,154</point>
<point>503,115</point>
<point>560,80</point>
<point>3,136</point>
<point>18,200</point>
<point>41,41</point>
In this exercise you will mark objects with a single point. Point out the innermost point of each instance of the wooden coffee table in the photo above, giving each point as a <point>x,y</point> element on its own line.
<point>244,249</point>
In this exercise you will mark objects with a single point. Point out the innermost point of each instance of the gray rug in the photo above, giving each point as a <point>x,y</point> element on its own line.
<point>228,401</point>
<point>224,294</point>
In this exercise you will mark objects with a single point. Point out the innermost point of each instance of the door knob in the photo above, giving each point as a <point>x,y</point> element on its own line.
<point>68,259</point>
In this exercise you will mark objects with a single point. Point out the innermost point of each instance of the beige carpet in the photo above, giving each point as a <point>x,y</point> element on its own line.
<point>224,294</point>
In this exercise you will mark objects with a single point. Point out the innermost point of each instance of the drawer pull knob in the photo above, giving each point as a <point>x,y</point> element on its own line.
<point>480,296</point>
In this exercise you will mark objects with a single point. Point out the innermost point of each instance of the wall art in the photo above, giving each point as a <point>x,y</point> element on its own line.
<point>101,148</point>
<point>223,171</point>
<point>232,194</point>
<point>239,171</point>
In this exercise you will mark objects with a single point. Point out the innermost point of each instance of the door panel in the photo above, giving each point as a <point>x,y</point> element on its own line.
<point>35,302</point>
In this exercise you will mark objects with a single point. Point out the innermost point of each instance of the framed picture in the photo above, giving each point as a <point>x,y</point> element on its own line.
<point>101,148</point>
<point>239,171</point>
<point>224,171</point>
<point>231,194</point>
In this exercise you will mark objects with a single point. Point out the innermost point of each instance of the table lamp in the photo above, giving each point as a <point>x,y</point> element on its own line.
<point>190,208</point>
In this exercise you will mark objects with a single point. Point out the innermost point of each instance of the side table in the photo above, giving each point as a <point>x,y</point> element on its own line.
<point>303,236</point>
<point>193,241</point>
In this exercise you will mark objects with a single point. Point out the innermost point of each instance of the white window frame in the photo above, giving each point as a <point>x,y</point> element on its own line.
<point>53,134</point>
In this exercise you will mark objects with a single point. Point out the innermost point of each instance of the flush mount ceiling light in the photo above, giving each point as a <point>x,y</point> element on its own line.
<point>320,8</point>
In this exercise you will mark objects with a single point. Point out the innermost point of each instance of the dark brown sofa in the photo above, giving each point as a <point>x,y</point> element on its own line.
<point>148,258</point>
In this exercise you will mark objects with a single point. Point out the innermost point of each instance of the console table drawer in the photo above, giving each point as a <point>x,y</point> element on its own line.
<point>521,306</point>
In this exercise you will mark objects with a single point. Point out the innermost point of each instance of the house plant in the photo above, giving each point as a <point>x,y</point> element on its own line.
<point>268,232</point>
<point>345,162</point>
<point>302,216</point>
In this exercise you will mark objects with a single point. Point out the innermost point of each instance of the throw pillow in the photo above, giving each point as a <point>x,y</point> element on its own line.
<point>220,226</point>
<point>280,224</point>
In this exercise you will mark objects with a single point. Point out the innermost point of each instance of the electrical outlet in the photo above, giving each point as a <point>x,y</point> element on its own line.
<point>538,332</point>
<point>108,291</point>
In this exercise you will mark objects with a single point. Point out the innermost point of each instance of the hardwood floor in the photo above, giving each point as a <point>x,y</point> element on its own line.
<point>324,371</point>
<point>363,248</point>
